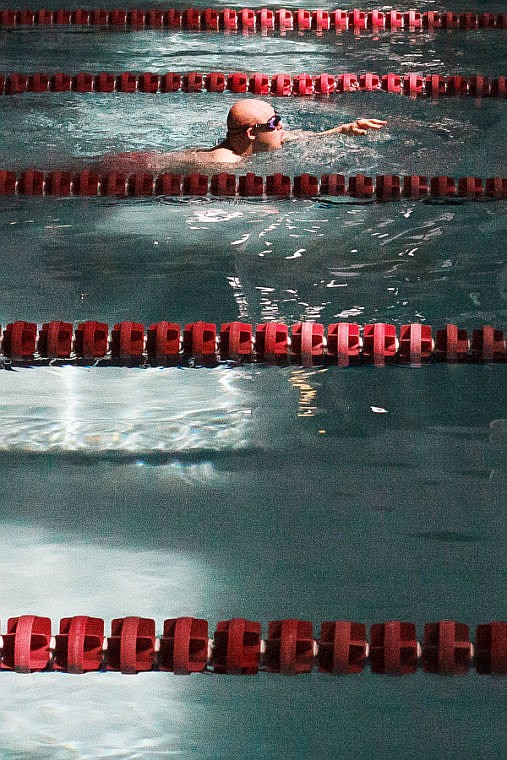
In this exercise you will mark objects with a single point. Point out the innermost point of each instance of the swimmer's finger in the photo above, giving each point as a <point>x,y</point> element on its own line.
<point>373,123</point>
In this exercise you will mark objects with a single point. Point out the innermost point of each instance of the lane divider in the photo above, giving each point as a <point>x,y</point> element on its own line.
<point>307,343</point>
<point>240,82</point>
<point>237,648</point>
<point>263,20</point>
<point>389,187</point>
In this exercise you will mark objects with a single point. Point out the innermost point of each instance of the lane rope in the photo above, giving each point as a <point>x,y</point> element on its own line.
<point>308,343</point>
<point>237,648</point>
<point>263,20</point>
<point>89,182</point>
<point>239,82</point>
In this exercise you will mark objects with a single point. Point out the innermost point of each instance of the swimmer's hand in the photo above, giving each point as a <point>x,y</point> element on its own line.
<point>357,127</point>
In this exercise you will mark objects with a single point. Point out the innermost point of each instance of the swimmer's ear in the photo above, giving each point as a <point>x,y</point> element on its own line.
<point>250,134</point>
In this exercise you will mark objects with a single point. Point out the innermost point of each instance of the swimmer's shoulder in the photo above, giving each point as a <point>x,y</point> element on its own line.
<point>218,155</point>
<point>133,161</point>
<point>182,159</point>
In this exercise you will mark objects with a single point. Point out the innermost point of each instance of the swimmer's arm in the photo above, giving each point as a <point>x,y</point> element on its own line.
<point>357,127</point>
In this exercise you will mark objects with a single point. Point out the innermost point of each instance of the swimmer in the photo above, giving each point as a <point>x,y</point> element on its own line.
<point>253,126</point>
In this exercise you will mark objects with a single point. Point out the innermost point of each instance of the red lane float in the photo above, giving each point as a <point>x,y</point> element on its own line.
<point>344,342</point>
<point>380,343</point>
<point>261,20</point>
<point>307,343</point>
<point>491,648</point>
<point>388,187</point>
<point>127,340</point>
<point>446,648</point>
<point>89,182</point>
<point>415,344</point>
<point>55,340</point>
<point>79,645</point>
<point>260,84</point>
<point>91,340</point>
<point>343,647</point>
<point>19,340</point>
<point>184,646</point>
<point>289,647</point>
<point>451,344</point>
<point>236,341</point>
<point>272,341</point>
<point>487,343</point>
<point>26,644</point>
<point>163,341</point>
<point>394,649</point>
<point>237,647</point>
<point>131,646</point>
<point>200,340</point>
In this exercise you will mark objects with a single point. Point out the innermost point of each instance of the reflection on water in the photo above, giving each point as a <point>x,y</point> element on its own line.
<point>306,382</point>
<point>57,574</point>
<point>78,409</point>
<point>285,259</point>
<point>66,717</point>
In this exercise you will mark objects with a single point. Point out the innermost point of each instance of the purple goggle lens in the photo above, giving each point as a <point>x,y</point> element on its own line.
<point>270,124</point>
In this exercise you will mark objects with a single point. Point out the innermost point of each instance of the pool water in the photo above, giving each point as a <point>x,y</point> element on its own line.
<point>265,492</point>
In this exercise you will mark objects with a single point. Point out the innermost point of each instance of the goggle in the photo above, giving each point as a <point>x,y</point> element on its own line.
<point>269,125</point>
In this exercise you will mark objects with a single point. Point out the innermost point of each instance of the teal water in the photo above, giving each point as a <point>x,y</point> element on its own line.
<point>263,492</point>
<point>219,260</point>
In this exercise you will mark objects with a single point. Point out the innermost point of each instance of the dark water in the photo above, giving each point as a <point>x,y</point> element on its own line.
<point>265,492</point>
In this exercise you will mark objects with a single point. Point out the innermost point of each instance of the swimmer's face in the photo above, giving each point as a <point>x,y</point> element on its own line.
<point>258,121</point>
<point>269,134</point>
